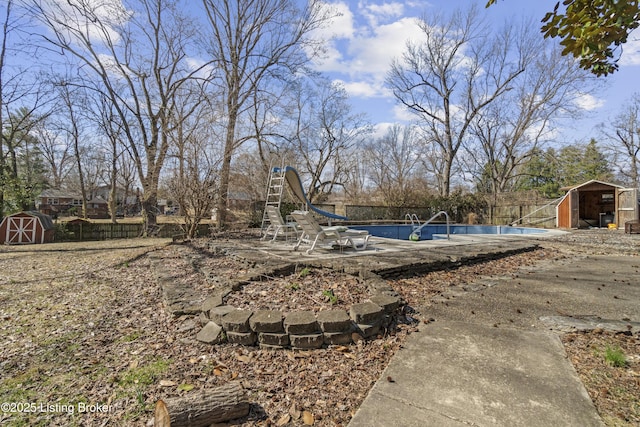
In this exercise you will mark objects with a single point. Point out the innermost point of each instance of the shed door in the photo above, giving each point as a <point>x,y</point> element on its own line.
<point>574,215</point>
<point>627,205</point>
<point>21,230</point>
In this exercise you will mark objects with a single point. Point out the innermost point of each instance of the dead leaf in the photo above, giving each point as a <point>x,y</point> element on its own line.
<point>307,418</point>
<point>133,364</point>
<point>161,415</point>
<point>243,358</point>
<point>234,375</point>
<point>217,372</point>
<point>294,412</point>
<point>167,383</point>
<point>186,387</point>
<point>284,420</point>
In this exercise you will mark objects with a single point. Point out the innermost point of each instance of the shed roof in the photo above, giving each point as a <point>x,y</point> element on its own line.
<point>597,185</point>
<point>45,220</point>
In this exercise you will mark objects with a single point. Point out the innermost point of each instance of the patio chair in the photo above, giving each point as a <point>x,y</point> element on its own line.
<point>314,234</point>
<point>277,226</point>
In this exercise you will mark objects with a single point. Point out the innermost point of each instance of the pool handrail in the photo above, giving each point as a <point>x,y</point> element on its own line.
<point>418,230</point>
<point>413,218</point>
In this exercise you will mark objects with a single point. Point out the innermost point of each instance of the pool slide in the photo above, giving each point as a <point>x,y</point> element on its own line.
<point>295,183</point>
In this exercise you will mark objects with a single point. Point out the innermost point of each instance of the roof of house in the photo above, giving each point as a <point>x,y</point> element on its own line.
<point>59,194</point>
<point>592,182</point>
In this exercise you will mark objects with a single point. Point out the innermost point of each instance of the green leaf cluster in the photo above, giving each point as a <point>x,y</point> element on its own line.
<point>548,171</point>
<point>592,30</point>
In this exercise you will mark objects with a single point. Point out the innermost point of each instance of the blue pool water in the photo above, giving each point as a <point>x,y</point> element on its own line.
<point>439,231</point>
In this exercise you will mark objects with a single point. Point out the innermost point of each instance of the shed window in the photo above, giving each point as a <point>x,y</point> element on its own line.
<point>607,197</point>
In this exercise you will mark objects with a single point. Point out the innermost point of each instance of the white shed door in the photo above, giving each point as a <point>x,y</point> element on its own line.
<point>21,230</point>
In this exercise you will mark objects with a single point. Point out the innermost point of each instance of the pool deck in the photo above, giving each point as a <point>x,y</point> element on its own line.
<point>492,355</point>
<point>385,256</point>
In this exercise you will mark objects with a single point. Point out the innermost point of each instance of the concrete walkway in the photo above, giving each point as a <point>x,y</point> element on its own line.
<point>493,357</point>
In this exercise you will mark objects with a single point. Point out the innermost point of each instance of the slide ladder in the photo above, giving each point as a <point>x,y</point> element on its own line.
<point>275,189</point>
<point>278,177</point>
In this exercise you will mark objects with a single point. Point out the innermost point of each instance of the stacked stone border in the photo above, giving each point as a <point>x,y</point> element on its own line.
<point>297,329</point>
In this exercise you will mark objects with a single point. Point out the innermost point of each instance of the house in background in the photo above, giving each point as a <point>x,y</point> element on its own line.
<point>597,204</point>
<point>64,203</point>
<point>97,208</point>
<point>58,202</point>
<point>127,202</point>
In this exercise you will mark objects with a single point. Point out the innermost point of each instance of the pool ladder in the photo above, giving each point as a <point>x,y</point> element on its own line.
<point>417,229</point>
<point>413,219</point>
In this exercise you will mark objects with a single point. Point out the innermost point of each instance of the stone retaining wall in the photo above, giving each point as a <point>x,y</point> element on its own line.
<point>298,329</point>
<point>270,328</point>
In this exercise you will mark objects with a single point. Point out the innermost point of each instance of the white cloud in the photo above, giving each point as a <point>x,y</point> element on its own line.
<point>197,63</point>
<point>342,24</point>
<point>589,102</point>
<point>98,24</point>
<point>402,113</point>
<point>381,129</point>
<point>373,54</point>
<point>333,35</point>
<point>359,88</point>
<point>360,50</point>
<point>376,13</point>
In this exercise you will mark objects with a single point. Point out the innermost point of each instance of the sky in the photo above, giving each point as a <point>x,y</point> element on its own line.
<point>368,34</point>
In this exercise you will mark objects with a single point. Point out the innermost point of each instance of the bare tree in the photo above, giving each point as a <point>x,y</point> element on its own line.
<point>449,76</point>
<point>392,163</point>
<point>195,158</point>
<point>138,58</point>
<point>321,130</point>
<point>511,128</point>
<point>73,130</point>
<point>623,134</point>
<point>253,41</point>
<point>125,180</point>
<point>107,120</point>
<point>57,149</point>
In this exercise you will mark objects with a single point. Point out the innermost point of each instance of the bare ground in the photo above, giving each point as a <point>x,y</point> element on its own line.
<point>84,324</point>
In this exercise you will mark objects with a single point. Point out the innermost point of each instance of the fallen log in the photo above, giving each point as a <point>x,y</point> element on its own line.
<point>203,408</point>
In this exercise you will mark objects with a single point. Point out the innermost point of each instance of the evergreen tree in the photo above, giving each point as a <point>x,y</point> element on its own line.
<point>581,163</point>
<point>541,173</point>
<point>596,164</point>
<point>24,172</point>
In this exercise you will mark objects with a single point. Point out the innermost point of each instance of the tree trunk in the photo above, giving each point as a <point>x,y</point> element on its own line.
<point>446,179</point>
<point>225,172</point>
<point>207,407</point>
<point>113,182</point>
<point>149,214</point>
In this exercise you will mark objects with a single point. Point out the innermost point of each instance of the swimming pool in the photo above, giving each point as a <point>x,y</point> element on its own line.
<point>439,231</point>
